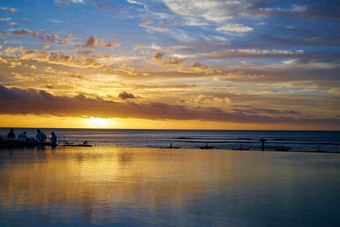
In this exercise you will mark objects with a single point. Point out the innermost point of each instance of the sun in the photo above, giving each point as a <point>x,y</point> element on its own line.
<point>97,122</point>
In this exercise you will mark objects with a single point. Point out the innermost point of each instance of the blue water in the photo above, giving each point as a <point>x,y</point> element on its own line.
<point>193,139</point>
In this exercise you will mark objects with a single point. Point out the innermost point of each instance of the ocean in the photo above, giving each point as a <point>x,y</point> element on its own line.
<point>125,179</point>
<point>193,139</point>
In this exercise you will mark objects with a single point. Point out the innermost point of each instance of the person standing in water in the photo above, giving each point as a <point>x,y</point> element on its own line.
<point>40,136</point>
<point>11,134</point>
<point>53,139</point>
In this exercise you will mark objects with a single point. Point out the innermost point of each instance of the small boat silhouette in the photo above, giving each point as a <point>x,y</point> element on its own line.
<point>207,147</point>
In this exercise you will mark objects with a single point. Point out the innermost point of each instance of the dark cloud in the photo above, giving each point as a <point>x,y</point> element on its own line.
<point>158,55</point>
<point>18,101</point>
<point>125,95</point>
<point>173,61</point>
<point>266,111</point>
<point>51,38</point>
<point>92,42</point>
<point>21,33</point>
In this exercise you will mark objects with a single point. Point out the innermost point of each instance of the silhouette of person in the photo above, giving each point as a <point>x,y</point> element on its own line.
<point>11,134</point>
<point>53,139</point>
<point>23,135</point>
<point>40,136</point>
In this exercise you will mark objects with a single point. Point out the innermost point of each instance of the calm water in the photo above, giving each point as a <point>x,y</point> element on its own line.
<point>193,139</point>
<point>153,187</point>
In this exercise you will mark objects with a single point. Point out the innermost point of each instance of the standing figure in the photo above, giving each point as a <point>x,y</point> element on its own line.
<point>11,134</point>
<point>53,139</point>
<point>23,135</point>
<point>40,136</point>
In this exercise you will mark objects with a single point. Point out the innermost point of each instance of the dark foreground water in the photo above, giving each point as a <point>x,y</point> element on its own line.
<point>193,139</point>
<point>163,187</point>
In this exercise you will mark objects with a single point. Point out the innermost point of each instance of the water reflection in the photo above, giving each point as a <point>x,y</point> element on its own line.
<point>153,186</point>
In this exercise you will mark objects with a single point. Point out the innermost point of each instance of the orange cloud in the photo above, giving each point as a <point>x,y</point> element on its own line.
<point>146,23</point>
<point>159,29</point>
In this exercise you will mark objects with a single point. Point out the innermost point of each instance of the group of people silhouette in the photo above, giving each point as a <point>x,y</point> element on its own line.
<point>40,136</point>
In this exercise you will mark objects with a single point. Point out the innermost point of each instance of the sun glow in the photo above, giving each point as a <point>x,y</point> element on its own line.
<point>97,122</point>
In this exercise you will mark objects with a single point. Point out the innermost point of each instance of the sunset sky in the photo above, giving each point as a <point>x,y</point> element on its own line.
<point>194,64</point>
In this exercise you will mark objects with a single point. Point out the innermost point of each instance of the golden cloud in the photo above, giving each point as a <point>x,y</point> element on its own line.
<point>56,57</point>
<point>159,29</point>
<point>146,23</point>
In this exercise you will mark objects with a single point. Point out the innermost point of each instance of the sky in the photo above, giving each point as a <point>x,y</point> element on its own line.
<point>170,64</point>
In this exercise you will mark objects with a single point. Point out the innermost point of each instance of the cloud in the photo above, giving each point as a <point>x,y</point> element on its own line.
<point>213,11</point>
<point>159,29</point>
<point>92,42</point>
<point>56,21</point>
<point>210,100</point>
<point>45,47</point>
<point>51,38</point>
<point>13,24</point>
<point>69,37</point>
<point>137,47</point>
<point>173,61</point>
<point>10,50</point>
<point>234,28</point>
<point>199,68</point>
<point>254,53</point>
<point>157,55</point>
<point>11,10</point>
<point>85,52</point>
<point>125,95</point>
<point>266,111</point>
<point>42,102</point>
<point>2,34</point>
<point>239,75</point>
<point>21,32</point>
<point>146,23</point>
<point>63,2</point>
<point>25,20</point>
<point>5,19</point>
<point>56,57</point>
<point>71,75</point>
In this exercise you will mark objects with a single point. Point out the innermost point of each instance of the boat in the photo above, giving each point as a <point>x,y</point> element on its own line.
<point>241,148</point>
<point>207,147</point>
<point>170,147</point>
<point>283,148</point>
